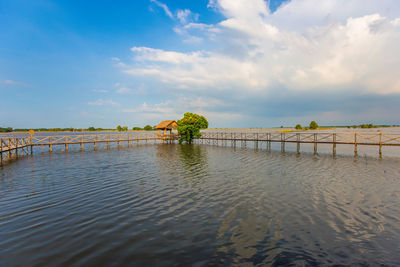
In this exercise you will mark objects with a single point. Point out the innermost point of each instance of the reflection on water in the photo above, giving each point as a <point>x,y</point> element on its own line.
<point>202,205</point>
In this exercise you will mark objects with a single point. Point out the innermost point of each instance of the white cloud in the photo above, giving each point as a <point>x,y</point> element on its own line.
<point>117,62</point>
<point>125,90</point>
<point>179,105</point>
<point>103,102</point>
<point>99,91</point>
<point>183,15</point>
<point>10,82</point>
<point>212,4</point>
<point>164,7</point>
<point>175,108</point>
<point>305,45</point>
<point>186,16</point>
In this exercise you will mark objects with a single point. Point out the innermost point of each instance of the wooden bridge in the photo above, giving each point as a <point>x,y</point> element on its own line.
<point>14,147</point>
<point>355,139</point>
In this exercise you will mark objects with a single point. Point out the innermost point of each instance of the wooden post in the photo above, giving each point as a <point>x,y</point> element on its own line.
<point>380,145</point>
<point>9,148</point>
<point>256,141</point>
<point>298,143</point>
<point>66,144</point>
<point>1,151</point>
<point>355,145</point>
<point>334,144</point>
<point>82,146</point>
<point>282,142</point>
<point>16,147</point>
<point>50,145</point>
<point>315,144</point>
<point>95,142</point>
<point>31,145</point>
<point>108,142</point>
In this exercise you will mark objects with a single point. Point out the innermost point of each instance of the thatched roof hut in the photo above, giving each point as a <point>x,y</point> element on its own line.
<point>167,125</point>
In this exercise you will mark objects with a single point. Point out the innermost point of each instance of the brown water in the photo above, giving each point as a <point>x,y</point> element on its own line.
<point>167,205</point>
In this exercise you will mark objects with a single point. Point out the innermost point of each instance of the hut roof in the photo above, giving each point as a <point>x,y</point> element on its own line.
<point>169,124</point>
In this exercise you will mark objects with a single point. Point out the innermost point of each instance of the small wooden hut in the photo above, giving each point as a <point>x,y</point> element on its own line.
<point>168,125</point>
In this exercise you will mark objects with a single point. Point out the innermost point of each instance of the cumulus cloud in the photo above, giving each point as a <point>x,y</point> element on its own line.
<point>304,47</point>
<point>182,15</point>
<point>179,105</point>
<point>175,108</point>
<point>359,51</point>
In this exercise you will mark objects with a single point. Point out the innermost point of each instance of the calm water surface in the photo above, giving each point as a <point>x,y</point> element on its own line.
<point>162,205</point>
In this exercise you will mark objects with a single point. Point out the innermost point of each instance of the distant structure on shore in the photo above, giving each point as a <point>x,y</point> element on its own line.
<point>167,125</point>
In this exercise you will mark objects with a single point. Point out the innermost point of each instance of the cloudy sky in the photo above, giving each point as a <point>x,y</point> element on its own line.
<point>241,63</point>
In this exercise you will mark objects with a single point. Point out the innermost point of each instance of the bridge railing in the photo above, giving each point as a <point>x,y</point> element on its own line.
<point>328,138</point>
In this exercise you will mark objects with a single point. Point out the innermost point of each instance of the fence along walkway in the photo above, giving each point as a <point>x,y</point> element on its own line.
<point>14,147</point>
<point>355,139</point>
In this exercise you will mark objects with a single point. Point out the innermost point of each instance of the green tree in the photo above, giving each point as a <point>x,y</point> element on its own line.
<point>125,128</point>
<point>136,128</point>
<point>190,125</point>
<point>91,128</point>
<point>298,127</point>
<point>119,128</point>
<point>6,130</point>
<point>148,128</point>
<point>313,125</point>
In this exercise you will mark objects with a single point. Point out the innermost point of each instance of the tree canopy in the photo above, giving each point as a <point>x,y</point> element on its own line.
<point>148,128</point>
<point>313,125</point>
<point>190,125</point>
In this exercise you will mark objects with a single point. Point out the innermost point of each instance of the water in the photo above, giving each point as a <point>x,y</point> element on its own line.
<point>166,205</point>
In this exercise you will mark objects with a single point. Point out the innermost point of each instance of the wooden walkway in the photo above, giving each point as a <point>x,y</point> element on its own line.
<point>14,147</point>
<point>354,139</point>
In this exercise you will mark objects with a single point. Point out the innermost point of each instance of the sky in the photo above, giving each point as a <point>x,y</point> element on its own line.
<point>240,63</point>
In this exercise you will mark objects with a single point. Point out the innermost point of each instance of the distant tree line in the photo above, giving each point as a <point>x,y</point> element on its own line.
<point>313,126</point>
<point>71,129</point>
<point>364,126</point>
<point>136,128</point>
<point>6,130</point>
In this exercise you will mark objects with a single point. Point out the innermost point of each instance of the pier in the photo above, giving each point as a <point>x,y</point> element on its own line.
<point>14,147</point>
<point>354,139</point>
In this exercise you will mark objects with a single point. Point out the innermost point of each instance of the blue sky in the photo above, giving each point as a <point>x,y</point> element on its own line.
<point>241,63</point>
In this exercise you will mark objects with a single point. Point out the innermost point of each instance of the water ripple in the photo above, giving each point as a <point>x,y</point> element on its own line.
<point>199,205</point>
